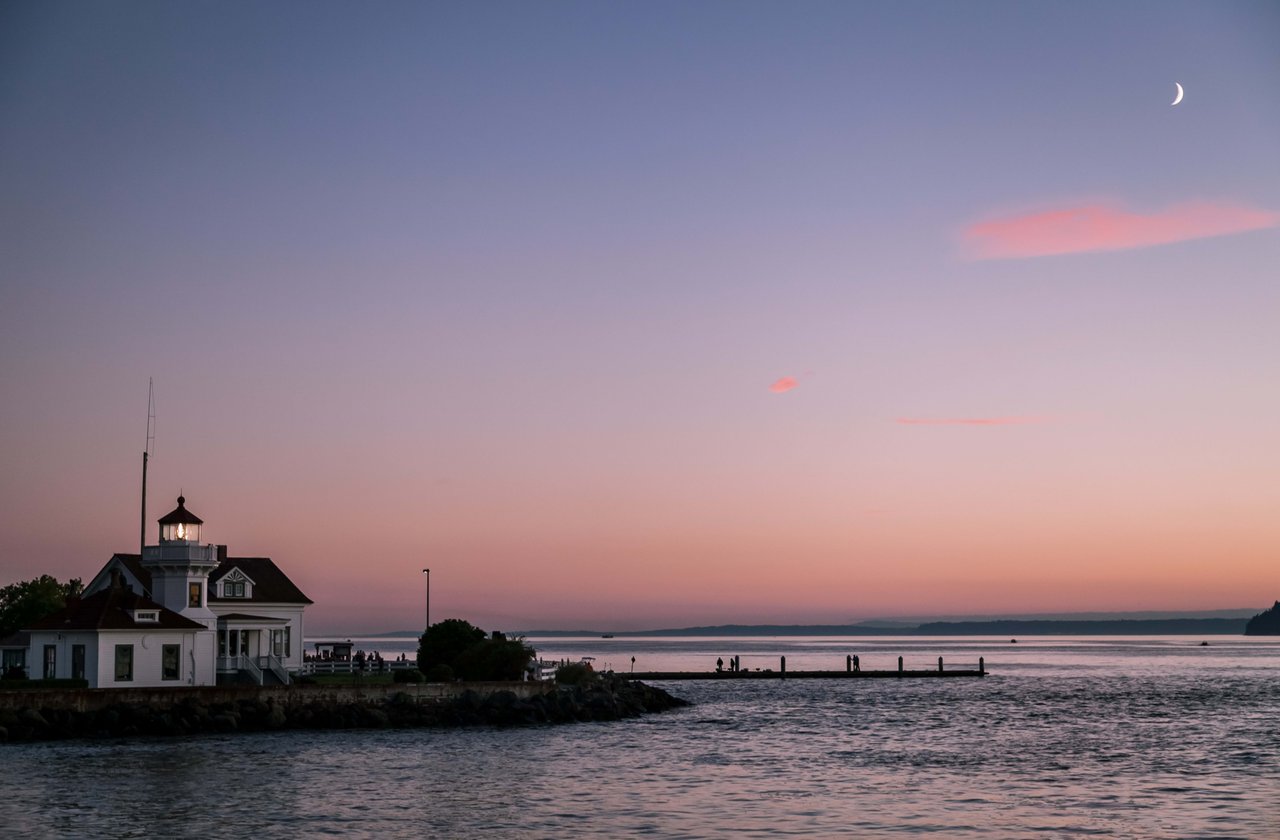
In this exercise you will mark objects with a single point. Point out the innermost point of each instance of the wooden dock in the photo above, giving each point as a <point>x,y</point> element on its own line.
<point>852,671</point>
<point>804,675</point>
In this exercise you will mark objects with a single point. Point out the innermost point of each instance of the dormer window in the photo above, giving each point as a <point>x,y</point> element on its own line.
<point>146,616</point>
<point>236,584</point>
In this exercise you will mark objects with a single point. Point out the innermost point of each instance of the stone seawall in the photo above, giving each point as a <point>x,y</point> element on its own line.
<point>115,713</point>
<point>93,699</point>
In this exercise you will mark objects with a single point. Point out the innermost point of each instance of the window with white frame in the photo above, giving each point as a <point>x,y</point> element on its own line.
<point>124,663</point>
<point>237,585</point>
<point>170,659</point>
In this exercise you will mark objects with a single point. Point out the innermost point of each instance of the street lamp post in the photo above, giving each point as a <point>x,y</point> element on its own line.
<point>426,574</point>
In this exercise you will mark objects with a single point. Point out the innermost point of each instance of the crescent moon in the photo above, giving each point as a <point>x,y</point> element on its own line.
<point>1177,98</point>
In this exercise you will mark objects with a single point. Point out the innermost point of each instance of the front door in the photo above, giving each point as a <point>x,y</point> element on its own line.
<point>77,662</point>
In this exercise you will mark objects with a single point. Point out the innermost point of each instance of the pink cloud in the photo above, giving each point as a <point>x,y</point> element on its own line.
<point>784,384</point>
<point>1099,227</point>
<point>968,421</point>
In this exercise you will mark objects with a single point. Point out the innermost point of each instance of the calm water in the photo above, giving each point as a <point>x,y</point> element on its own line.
<point>1153,737</point>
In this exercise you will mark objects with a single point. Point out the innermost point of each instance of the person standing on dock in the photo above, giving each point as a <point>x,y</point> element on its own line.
<point>719,664</point>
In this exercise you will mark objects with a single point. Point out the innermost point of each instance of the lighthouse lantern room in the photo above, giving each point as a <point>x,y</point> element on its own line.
<point>180,525</point>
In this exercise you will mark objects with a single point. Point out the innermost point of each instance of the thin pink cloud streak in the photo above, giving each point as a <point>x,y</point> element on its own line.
<point>968,421</point>
<point>1099,227</point>
<point>784,384</point>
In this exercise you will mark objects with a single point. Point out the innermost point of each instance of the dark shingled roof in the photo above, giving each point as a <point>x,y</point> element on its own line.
<point>270,585</point>
<point>112,609</point>
<point>180,514</point>
<point>19,639</point>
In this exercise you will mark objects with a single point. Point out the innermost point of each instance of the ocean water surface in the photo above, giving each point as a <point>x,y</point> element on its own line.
<point>1097,737</point>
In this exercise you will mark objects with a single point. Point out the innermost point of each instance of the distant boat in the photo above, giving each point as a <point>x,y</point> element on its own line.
<point>607,636</point>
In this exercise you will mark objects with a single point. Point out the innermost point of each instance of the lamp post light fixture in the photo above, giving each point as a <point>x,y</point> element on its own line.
<point>426,574</point>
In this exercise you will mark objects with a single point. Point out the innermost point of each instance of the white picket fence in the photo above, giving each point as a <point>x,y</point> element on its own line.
<point>368,666</point>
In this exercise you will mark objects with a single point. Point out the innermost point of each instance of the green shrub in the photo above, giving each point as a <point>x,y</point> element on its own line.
<point>575,673</point>
<point>408,675</point>
<point>439,674</point>
<point>470,654</point>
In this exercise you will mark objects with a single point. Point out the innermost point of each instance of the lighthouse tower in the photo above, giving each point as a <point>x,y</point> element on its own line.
<point>180,566</point>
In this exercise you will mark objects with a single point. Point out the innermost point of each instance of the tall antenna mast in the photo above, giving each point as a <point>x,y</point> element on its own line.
<point>146,454</point>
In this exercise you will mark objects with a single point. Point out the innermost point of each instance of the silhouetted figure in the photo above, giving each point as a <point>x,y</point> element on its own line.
<point>719,664</point>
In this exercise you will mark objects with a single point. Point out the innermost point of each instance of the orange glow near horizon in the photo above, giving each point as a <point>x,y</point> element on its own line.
<point>968,421</point>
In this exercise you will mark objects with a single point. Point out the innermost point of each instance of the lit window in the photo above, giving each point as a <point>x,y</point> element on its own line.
<point>195,595</point>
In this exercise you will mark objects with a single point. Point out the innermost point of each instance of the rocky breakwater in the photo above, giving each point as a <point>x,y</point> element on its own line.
<point>609,698</point>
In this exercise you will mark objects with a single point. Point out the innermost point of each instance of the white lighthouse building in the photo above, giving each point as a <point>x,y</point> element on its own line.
<point>182,613</point>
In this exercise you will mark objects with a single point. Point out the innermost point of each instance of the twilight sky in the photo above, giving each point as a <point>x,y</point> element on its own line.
<point>650,314</point>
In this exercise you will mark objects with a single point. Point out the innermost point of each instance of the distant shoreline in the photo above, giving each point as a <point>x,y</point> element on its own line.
<point>996,627</point>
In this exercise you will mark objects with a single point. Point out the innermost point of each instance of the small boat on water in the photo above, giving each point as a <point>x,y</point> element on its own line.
<point>607,636</point>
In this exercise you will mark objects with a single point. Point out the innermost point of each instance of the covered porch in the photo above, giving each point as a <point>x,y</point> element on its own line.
<point>252,648</point>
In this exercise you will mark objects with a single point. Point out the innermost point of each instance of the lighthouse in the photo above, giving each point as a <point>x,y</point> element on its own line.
<point>180,566</point>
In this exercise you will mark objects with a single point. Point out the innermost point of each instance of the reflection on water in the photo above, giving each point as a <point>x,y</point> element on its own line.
<point>1119,739</point>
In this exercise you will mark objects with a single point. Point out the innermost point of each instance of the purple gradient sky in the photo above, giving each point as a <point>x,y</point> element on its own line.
<point>501,289</point>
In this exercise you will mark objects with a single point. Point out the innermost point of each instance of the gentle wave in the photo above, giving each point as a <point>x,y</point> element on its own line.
<point>1067,740</point>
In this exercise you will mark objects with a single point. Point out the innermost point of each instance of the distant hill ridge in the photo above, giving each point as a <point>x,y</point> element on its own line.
<point>995,627</point>
<point>1264,623</point>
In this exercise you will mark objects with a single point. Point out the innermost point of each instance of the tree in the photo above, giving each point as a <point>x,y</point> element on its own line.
<point>464,650</point>
<point>1265,623</point>
<point>445,641</point>
<point>27,601</point>
<point>496,658</point>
